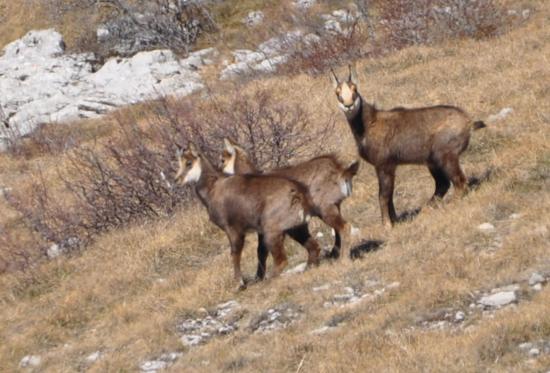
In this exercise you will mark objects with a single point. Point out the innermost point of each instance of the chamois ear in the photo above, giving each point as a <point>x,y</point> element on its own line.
<point>353,74</point>
<point>334,79</point>
<point>353,168</point>
<point>229,146</point>
<point>179,153</point>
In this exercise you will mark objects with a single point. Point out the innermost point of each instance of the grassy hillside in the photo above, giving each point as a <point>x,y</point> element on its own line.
<point>126,294</point>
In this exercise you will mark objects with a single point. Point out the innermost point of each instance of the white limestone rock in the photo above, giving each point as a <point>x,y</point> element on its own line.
<point>40,83</point>
<point>254,18</point>
<point>30,361</point>
<point>499,299</point>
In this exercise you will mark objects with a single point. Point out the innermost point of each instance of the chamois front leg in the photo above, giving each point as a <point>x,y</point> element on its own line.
<point>386,180</point>
<point>236,239</point>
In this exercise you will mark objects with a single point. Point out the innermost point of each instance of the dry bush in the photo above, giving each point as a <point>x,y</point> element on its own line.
<point>272,131</point>
<point>315,56</point>
<point>407,22</point>
<point>15,253</point>
<point>134,27</point>
<point>109,184</point>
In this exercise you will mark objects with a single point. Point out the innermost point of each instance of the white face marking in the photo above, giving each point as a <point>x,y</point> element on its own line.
<point>229,167</point>
<point>194,173</point>
<point>351,110</point>
<point>346,94</point>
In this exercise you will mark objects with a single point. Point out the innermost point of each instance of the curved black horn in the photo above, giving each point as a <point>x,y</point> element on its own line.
<point>334,78</point>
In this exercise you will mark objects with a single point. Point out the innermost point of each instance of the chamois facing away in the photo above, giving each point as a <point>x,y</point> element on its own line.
<point>434,136</point>
<point>269,205</point>
<point>328,180</point>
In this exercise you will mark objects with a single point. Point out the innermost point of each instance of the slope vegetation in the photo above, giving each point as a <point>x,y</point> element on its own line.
<point>417,303</point>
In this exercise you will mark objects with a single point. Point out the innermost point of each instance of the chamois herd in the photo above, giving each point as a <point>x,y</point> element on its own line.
<point>240,198</point>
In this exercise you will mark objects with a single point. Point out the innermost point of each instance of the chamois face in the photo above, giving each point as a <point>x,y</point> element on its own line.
<point>229,157</point>
<point>190,168</point>
<point>235,159</point>
<point>346,186</point>
<point>346,92</point>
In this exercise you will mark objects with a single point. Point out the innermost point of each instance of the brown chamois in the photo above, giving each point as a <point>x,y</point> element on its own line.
<point>269,205</point>
<point>434,136</point>
<point>328,180</point>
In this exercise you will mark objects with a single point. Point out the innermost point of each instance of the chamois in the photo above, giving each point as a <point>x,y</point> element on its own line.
<point>434,136</point>
<point>328,180</point>
<point>269,205</point>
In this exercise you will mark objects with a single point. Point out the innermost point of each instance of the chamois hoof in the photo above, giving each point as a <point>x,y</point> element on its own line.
<point>435,202</point>
<point>241,286</point>
<point>332,254</point>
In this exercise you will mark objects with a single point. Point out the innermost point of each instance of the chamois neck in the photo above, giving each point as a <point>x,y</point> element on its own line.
<point>243,165</point>
<point>209,176</point>
<point>361,118</point>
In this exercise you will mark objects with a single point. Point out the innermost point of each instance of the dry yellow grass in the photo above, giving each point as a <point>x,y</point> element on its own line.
<point>109,297</point>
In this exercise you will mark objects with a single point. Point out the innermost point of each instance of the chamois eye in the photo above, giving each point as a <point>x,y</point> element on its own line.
<point>188,163</point>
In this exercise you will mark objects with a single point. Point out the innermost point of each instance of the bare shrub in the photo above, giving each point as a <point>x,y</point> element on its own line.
<point>273,132</point>
<point>52,139</point>
<point>128,178</point>
<point>407,22</point>
<point>15,253</point>
<point>160,23</point>
<point>316,55</point>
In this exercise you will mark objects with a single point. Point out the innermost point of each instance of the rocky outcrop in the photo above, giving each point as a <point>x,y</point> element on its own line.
<point>265,59</point>
<point>40,83</point>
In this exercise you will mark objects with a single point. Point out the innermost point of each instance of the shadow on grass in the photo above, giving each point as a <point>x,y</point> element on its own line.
<point>408,215</point>
<point>475,181</point>
<point>365,247</point>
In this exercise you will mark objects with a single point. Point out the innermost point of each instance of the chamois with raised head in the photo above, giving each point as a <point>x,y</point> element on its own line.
<point>329,183</point>
<point>269,205</point>
<point>434,136</point>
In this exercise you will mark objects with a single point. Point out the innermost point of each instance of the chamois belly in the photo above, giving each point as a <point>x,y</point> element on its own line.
<point>409,151</point>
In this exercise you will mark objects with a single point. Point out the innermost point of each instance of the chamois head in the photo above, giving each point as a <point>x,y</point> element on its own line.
<point>190,165</point>
<point>233,154</point>
<point>346,91</point>
<point>347,176</point>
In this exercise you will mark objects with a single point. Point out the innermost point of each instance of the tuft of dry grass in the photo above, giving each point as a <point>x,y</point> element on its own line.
<point>124,295</point>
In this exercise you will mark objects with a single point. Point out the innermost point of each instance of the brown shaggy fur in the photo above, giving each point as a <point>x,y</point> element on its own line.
<point>328,180</point>
<point>269,205</point>
<point>434,136</point>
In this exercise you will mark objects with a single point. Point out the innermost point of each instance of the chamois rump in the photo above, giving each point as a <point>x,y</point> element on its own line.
<point>434,136</point>
<point>329,183</point>
<point>269,205</point>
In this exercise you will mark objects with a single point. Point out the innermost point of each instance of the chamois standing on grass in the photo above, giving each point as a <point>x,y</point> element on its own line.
<point>329,183</point>
<point>272,206</point>
<point>434,136</point>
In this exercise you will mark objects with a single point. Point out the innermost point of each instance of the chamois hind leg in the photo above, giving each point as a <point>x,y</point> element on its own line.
<point>303,237</point>
<point>236,239</point>
<point>386,180</point>
<point>262,258</point>
<point>331,216</point>
<point>442,182</point>
<point>275,244</point>
<point>453,171</point>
